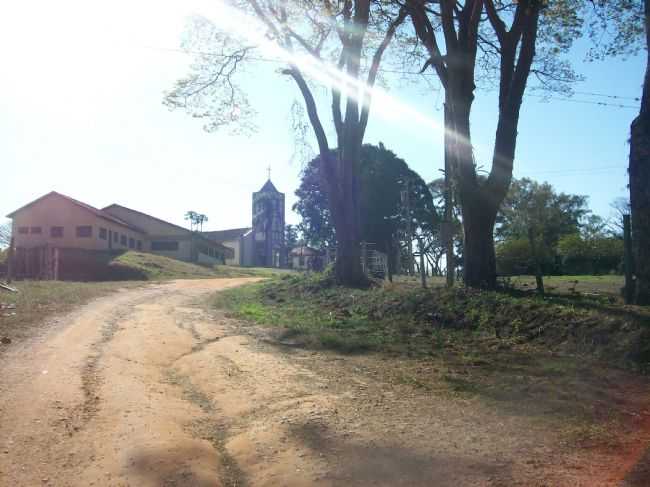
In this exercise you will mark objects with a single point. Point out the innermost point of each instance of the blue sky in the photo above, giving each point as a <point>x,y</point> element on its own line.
<point>81,113</point>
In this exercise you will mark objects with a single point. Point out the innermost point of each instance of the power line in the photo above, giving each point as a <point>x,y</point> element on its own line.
<point>425,75</point>
<point>576,171</point>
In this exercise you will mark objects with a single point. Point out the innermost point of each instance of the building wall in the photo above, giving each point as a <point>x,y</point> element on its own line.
<point>235,245</point>
<point>158,233</point>
<point>55,211</point>
<point>188,246</point>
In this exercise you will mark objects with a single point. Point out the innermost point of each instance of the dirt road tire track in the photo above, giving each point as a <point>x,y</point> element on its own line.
<point>148,388</point>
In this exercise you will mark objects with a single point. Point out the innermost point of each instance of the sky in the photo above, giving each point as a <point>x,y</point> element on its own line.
<point>81,113</point>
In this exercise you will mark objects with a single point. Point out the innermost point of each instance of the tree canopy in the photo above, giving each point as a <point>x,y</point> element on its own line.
<point>383,216</point>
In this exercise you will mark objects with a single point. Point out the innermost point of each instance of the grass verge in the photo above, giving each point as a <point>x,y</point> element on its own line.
<point>539,357</point>
<point>408,319</point>
<point>24,312</point>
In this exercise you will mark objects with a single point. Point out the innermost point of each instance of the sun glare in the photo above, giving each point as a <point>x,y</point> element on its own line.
<point>234,22</point>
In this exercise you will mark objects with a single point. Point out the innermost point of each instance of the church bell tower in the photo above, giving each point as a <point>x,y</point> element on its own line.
<point>268,227</point>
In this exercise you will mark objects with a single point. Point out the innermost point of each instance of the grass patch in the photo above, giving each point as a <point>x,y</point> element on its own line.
<point>545,358</point>
<point>38,300</point>
<point>403,318</point>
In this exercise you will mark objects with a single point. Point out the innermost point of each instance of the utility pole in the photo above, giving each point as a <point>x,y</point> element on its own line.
<point>406,202</point>
<point>447,226</point>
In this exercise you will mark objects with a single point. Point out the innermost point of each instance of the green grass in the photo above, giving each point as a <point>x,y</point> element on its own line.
<point>547,358</point>
<point>403,318</point>
<point>158,268</point>
<point>606,285</point>
<point>38,300</point>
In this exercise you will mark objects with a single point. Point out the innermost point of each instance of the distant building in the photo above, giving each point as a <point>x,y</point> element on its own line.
<point>261,244</point>
<point>234,239</point>
<point>304,258</point>
<point>58,221</point>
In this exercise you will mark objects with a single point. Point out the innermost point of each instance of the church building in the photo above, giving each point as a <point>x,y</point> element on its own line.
<point>261,244</point>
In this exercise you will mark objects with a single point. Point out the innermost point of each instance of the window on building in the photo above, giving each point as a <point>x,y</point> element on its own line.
<point>164,245</point>
<point>131,243</point>
<point>103,233</point>
<point>139,245</point>
<point>84,231</point>
<point>36,230</point>
<point>56,232</point>
<point>115,236</point>
<point>23,230</point>
<point>123,240</point>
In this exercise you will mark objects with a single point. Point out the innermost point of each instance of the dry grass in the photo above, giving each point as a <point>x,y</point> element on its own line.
<point>39,300</point>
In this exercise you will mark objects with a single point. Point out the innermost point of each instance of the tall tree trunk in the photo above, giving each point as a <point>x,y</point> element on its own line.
<point>639,172</point>
<point>479,264</point>
<point>347,220</point>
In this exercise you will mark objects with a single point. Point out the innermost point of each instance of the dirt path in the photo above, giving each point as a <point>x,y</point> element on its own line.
<point>146,388</point>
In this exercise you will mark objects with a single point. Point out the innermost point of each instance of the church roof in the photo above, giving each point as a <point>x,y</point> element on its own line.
<point>226,235</point>
<point>268,188</point>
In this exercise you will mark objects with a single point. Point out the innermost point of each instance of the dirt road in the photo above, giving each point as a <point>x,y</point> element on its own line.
<point>148,388</point>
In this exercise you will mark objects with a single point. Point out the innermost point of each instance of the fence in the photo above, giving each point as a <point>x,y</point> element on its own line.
<point>373,262</point>
<point>69,264</point>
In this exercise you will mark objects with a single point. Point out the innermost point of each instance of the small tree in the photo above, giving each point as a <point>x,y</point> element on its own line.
<point>191,216</point>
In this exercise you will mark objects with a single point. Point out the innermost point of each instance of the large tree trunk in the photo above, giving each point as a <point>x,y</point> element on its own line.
<point>479,266</point>
<point>347,219</point>
<point>639,173</point>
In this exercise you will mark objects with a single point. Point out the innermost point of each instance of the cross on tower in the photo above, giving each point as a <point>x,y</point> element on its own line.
<point>268,171</point>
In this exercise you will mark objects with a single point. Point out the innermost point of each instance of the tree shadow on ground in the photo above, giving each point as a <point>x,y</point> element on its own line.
<point>639,474</point>
<point>178,466</point>
<point>353,462</point>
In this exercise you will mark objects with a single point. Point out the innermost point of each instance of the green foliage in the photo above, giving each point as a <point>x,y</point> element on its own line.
<point>537,205</point>
<point>290,236</point>
<point>596,255</point>
<point>313,312</point>
<point>383,177</point>
<point>513,257</point>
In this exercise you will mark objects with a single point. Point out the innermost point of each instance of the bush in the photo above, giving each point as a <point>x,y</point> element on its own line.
<point>514,257</point>
<point>590,256</point>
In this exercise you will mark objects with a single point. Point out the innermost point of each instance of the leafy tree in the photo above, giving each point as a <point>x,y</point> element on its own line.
<point>383,176</point>
<point>354,34</point>
<point>536,213</point>
<point>515,257</point>
<point>504,42</point>
<point>196,220</point>
<point>583,254</point>
<point>191,216</point>
<point>551,214</point>
<point>290,236</point>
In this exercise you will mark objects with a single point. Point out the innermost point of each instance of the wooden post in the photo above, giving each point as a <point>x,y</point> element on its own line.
<point>538,266</point>
<point>628,260</point>
<point>10,261</point>
<point>406,201</point>
<point>56,263</point>
<point>423,270</point>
